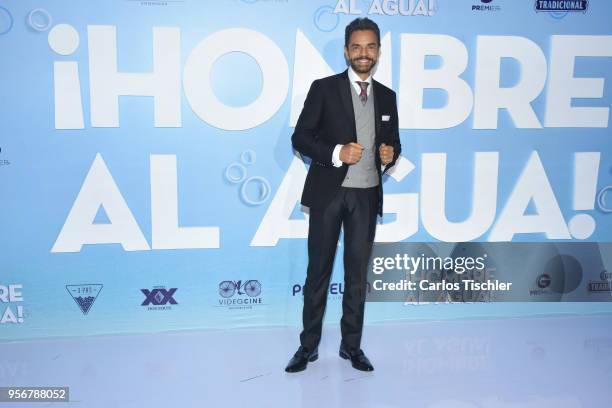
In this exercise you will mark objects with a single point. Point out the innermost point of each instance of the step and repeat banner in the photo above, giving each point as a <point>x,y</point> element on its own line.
<point>148,182</point>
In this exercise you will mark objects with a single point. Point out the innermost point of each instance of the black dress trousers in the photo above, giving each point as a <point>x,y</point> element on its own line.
<point>355,209</point>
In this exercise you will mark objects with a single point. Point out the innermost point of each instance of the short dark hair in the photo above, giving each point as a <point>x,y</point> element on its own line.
<point>360,24</point>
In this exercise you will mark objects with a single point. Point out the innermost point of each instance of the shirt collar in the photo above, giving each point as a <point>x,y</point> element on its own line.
<point>354,77</point>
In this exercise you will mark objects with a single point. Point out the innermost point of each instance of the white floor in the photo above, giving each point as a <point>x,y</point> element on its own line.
<point>537,362</point>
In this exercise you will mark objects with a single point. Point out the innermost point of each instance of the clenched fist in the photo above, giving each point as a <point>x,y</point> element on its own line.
<point>351,153</point>
<point>386,154</point>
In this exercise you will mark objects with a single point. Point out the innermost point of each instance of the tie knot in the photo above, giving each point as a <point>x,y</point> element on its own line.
<point>363,85</point>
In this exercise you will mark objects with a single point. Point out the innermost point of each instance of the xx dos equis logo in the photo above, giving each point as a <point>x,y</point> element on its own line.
<point>159,298</point>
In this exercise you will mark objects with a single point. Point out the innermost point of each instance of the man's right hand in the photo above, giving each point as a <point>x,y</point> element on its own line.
<point>350,153</point>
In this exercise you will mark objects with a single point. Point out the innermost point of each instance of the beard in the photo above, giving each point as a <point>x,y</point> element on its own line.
<point>362,68</point>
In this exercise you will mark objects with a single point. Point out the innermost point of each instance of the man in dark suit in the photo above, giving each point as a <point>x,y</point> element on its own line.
<point>349,128</point>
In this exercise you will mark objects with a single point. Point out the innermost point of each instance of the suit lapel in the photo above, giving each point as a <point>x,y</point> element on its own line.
<point>375,88</point>
<point>344,88</point>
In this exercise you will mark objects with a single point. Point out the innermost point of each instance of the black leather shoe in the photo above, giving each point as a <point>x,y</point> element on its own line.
<point>300,359</point>
<point>358,359</point>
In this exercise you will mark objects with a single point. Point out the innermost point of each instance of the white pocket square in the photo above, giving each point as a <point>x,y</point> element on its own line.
<point>385,118</point>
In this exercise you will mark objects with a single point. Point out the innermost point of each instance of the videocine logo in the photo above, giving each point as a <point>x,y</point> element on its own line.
<point>159,298</point>
<point>246,293</point>
<point>561,5</point>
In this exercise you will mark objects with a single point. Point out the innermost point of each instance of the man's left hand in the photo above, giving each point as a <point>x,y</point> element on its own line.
<point>386,154</point>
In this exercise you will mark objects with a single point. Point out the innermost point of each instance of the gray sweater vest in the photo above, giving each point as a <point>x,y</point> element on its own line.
<point>363,174</point>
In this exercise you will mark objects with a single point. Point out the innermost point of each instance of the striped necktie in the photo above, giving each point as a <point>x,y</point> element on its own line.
<point>363,96</point>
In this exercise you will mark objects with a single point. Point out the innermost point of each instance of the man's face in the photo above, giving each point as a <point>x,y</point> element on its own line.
<point>362,51</point>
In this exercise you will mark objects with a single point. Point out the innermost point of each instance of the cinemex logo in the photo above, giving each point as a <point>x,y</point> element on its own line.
<point>604,285</point>
<point>388,7</point>
<point>84,295</point>
<point>239,294</point>
<point>562,6</point>
<point>159,298</point>
<point>486,6</point>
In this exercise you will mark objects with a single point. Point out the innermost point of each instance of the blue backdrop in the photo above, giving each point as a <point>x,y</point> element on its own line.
<point>147,176</point>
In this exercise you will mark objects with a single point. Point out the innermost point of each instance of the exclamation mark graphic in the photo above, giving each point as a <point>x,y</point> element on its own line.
<point>586,170</point>
<point>64,40</point>
<point>20,314</point>
<point>432,7</point>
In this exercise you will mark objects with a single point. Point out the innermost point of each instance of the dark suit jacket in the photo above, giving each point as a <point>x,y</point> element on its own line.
<point>328,119</point>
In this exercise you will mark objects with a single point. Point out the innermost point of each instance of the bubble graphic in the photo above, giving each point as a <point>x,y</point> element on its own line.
<point>254,190</point>
<point>325,20</point>
<point>263,188</point>
<point>40,19</point>
<point>6,21</point>
<point>601,200</point>
<point>235,173</point>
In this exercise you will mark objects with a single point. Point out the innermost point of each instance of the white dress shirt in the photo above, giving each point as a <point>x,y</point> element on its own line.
<point>353,78</point>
